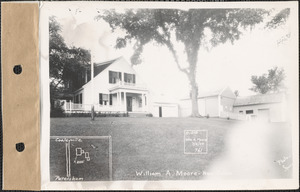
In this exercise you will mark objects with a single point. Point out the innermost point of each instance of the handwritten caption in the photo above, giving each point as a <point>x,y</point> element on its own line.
<point>195,141</point>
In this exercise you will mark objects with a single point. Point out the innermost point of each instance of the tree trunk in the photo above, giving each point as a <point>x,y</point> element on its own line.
<point>194,98</point>
<point>190,72</point>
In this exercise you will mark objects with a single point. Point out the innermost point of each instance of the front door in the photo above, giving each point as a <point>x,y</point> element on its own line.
<point>264,115</point>
<point>129,103</point>
<point>160,111</point>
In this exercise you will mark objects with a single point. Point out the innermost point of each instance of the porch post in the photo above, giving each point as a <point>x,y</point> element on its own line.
<point>125,102</point>
<point>65,105</point>
<point>143,102</point>
<point>146,102</point>
<point>71,106</point>
<point>119,100</point>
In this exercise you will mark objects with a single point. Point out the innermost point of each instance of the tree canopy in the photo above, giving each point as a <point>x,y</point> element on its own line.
<point>190,27</point>
<point>67,65</point>
<point>268,83</point>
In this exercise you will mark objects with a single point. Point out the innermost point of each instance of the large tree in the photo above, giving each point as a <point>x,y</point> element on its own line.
<point>269,83</point>
<point>192,28</point>
<point>67,65</point>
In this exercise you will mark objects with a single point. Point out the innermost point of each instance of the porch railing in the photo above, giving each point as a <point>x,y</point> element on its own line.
<point>69,107</point>
<point>120,84</point>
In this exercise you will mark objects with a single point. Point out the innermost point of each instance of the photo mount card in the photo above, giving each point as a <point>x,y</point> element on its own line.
<point>20,96</point>
<point>157,96</point>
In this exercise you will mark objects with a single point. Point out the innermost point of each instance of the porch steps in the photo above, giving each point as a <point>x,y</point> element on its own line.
<point>133,114</point>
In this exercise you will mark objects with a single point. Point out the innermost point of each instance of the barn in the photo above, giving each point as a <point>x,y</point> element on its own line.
<point>211,104</point>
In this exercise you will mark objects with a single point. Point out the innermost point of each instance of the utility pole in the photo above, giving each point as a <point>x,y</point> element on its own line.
<point>92,83</point>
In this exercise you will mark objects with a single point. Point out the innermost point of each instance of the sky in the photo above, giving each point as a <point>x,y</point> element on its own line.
<point>225,65</point>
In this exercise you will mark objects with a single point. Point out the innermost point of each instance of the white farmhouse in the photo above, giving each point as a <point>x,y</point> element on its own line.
<point>115,88</point>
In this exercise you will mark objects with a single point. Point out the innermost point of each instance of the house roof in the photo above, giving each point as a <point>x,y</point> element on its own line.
<point>259,99</point>
<point>99,67</point>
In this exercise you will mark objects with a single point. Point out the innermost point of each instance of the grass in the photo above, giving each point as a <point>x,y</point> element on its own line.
<point>151,144</point>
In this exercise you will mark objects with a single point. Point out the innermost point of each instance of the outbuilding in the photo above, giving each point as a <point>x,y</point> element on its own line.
<point>161,109</point>
<point>264,107</point>
<point>211,104</point>
<point>163,106</point>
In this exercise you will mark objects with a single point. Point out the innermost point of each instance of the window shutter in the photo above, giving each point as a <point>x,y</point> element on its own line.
<point>120,76</point>
<point>110,99</point>
<point>110,76</point>
<point>80,98</point>
<point>133,78</point>
<point>125,77</point>
<point>100,99</point>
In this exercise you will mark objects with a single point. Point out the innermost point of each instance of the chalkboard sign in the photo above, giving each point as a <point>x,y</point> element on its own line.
<point>195,141</point>
<point>75,158</point>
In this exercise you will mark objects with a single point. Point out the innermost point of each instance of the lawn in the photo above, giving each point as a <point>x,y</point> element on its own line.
<point>153,148</point>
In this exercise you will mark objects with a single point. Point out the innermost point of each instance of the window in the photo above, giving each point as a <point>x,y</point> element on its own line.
<point>114,77</point>
<point>104,99</point>
<point>75,99</point>
<point>129,78</point>
<point>241,112</point>
<point>249,111</point>
<point>78,98</point>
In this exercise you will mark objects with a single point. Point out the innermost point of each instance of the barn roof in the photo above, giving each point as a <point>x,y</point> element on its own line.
<point>208,94</point>
<point>259,99</point>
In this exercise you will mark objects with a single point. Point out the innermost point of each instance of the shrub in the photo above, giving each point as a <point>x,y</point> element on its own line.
<point>149,115</point>
<point>57,111</point>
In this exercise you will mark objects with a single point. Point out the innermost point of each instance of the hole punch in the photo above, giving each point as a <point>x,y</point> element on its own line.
<point>17,69</point>
<point>20,147</point>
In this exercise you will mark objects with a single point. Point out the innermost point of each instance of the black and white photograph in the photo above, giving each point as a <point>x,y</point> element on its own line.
<point>167,93</point>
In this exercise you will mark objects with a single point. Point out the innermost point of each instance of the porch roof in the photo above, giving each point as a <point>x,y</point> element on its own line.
<point>129,89</point>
